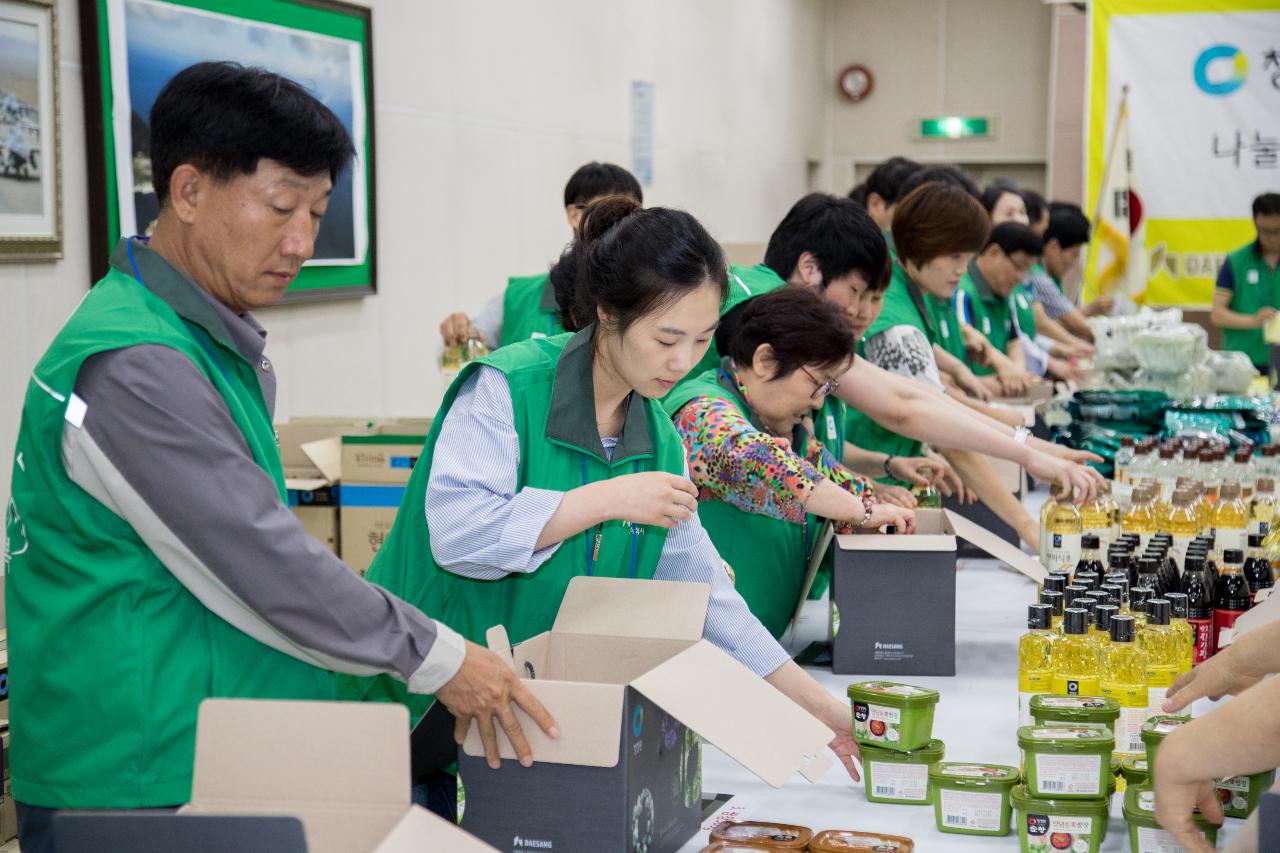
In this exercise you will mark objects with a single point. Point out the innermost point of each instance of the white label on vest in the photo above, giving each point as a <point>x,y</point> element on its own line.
<point>1251,276</point>
<point>831,427</point>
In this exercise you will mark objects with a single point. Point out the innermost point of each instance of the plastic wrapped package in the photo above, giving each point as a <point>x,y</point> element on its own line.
<point>1170,350</point>
<point>1113,336</point>
<point>1232,372</point>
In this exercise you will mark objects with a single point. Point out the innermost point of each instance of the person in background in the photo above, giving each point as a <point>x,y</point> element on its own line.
<point>1064,238</point>
<point>765,483</point>
<point>1238,738</point>
<point>884,188</point>
<point>527,307</point>
<point>1246,295</point>
<point>554,458</point>
<point>1037,210</point>
<point>159,564</point>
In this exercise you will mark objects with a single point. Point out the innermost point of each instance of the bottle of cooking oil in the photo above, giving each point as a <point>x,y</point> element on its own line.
<point>1162,646</point>
<point>1096,518</point>
<point>1182,524</point>
<point>1210,474</point>
<point>1055,601</point>
<point>1124,678</point>
<point>1035,659</point>
<point>1244,472</point>
<point>1262,509</point>
<point>1113,508</point>
<point>1181,627</point>
<point>1103,613</point>
<point>927,496</point>
<point>1139,518</point>
<point>1124,458</point>
<point>1168,469</point>
<point>1138,597</point>
<point>1230,518</point>
<point>1060,531</point>
<point>1075,657</point>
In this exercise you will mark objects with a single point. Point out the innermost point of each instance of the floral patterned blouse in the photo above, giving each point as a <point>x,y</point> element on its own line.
<point>755,471</point>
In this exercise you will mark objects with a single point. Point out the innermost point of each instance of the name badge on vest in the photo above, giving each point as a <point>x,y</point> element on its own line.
<point>535,335</point>
<point>986,326</point>
<point>1251,276</point>
<point>831,425</point>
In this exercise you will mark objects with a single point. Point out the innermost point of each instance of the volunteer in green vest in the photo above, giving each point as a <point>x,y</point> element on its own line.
<point>766,484</point>
<point>1246,295</point>
<point>1058,318</point>
<point>990,301</point>
<point>527,307</point>
<point>553,458</point>
<point>151,559</point>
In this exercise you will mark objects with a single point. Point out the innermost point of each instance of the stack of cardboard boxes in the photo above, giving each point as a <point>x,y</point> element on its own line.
<point>346,478</point>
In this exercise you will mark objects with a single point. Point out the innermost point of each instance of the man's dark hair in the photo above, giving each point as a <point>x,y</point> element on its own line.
<point>938,218</point>
<point>1015,237</point>
<point>596,180</point>
<point>947,174</point>
<point>888,179</point>
<point>1035,204</point>
<point>859,194</point>
<point>1067,224</point>
<point>839,233</point>
<point>223,118</point>
<point>799,324</point>
<point>1267,204</point>
<point>633,261</point>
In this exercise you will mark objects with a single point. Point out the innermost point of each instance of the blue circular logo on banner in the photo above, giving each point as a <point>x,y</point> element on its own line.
<point>1218,58</point>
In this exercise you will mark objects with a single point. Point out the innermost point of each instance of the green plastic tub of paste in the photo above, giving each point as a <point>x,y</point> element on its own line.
<point>1239,794</point>
<point>1080,712</point>
<point>891,715</point>
<point>1144,833</point>
<point>900,777</point>
<point>1134,770</point>
<point>972,799</point>
<point>1065,763</point>
<point>1047,825</point>
<point>1154,731</point>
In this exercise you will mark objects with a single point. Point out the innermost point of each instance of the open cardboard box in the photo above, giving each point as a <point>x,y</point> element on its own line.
<point>630,681</point>
<point>893,598</point>
<point>341,768</point>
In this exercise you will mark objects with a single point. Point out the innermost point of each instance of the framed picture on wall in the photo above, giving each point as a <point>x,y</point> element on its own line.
<point>131,48</point>
<point>30,188</point>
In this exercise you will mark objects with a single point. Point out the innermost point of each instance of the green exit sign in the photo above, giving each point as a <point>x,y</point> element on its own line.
<point>955,127</point>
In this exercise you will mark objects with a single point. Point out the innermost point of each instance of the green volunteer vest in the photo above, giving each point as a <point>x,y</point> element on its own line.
<point>529,309</point>
<point>904,305</point>
<point>552,401</point>
<point>949,335</point>
<point>769,556</point>
<point>1257,286</point>
<point>744,283</point>
<point>109,655</point>
<point>987,312</point>
<point>1024,314</point>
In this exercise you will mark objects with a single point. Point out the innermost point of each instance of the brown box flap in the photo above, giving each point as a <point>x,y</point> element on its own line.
<point>626,608</point>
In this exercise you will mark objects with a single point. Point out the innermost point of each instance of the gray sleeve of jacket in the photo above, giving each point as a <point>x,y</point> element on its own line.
<point>149,437</point>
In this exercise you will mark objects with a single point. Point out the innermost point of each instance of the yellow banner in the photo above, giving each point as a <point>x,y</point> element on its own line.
<point>1186,255</point>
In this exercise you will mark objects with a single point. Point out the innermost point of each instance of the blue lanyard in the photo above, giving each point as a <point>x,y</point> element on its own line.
<point>593,542</point>
<point>200,339</point>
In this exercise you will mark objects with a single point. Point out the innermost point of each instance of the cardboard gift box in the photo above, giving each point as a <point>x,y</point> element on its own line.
<point>375,470</point>
<point>893,598</point>
<point>634,688</point>
<point>341,768</point>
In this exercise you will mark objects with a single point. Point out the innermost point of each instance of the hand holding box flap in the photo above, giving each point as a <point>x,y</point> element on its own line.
<point>744,716</point>
<point>621,607</point>
<point>589,717</point>
<point>997,547</point>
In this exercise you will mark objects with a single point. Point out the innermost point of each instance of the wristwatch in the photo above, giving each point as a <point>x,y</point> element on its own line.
<point>1021,434</point>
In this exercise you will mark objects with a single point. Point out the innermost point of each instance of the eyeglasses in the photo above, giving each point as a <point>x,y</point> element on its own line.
<point>824,388</point>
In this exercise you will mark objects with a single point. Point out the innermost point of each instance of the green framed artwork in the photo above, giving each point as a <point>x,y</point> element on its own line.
<point>131,48</point>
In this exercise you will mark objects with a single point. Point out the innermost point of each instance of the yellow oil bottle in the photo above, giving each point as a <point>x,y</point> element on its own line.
<point>1060,532</point>
<point>1182,524</point>
<point>1230,518</point>
<point>1160,643</point>
<point>1035,659</point>
<point>1124,678</point>
<point>1186,634</point>
<point>1262,509</point>
<point>1075,657</point>
<point>1139,518</point>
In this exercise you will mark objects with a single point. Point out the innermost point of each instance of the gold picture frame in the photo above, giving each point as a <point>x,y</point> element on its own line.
<point>30,132</point>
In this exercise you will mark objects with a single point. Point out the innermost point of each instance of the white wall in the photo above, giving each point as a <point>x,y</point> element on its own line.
<point>483,109</point>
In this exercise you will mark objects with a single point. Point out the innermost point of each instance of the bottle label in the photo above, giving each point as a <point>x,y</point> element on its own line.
<point>893,780</point>
<point>1204,640</point>
<point>1155,840</point>
<point>1259,528</point>
<point>1076,686</point>
<point>1223,622</point>
<point>1069,774</point>
<point>876,723</point>
<point>1061,552</point>
<point>1160,676</point>
<point>971,810</point>
<point>1133,713</point>
<point>1066,833</point>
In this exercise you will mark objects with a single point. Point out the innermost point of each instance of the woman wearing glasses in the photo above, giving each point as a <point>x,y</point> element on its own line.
<point>765,481</point>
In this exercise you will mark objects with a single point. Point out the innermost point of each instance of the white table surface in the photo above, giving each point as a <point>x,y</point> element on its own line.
<point>976,718</point>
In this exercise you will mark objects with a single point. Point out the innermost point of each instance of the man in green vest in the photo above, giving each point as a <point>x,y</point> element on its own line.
<point>151,559</point>
<point>1246,295</point>
<point>527,307</point>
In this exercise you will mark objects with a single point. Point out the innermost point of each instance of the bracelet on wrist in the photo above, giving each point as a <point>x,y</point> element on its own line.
<point>887,461</point>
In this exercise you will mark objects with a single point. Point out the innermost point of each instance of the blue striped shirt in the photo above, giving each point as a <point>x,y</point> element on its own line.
<point>481,527</point>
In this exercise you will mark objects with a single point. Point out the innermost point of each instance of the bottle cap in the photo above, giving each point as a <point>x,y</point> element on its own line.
<point>1255,540</point>
<point>1053,599</point>
<point>1118,561</point>
<point>1194,563</point>
<point>1056,582</point>
<point>1086,602</point>
<point>1265,484</point>
<point>1168,451</point>
<point>1243,452</point>
<point>1039,617</point>
<point>1149,565</point>
<point>1138,597</point>
<point>1229,491</point>
<point>1092,580</point>
<point>1102,616</point>
<point>1075,620</point>
<point>1233,555</point>
<point>1122,629</point>
<point>1090,540</point>
<point>1177,604</point>
<point>1158,611</point>
<point>1126,441</point>
<point>1111,593</point>
<point>1074,591</point>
